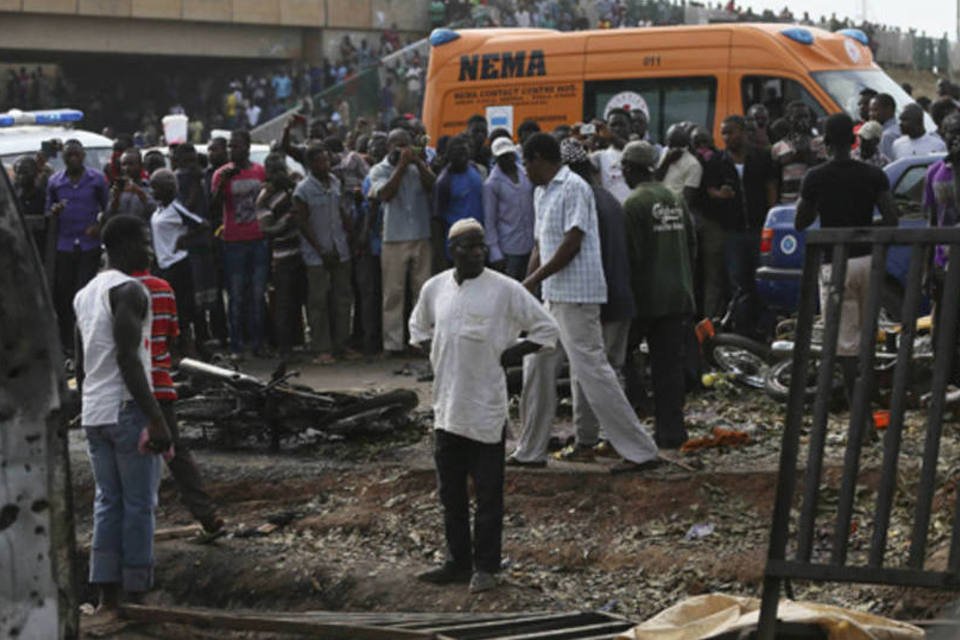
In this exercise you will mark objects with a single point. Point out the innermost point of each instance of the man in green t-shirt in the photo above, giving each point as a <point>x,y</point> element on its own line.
<point>661,245</point>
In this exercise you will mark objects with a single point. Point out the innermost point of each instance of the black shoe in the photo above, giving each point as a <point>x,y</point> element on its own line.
<point>448,573</point>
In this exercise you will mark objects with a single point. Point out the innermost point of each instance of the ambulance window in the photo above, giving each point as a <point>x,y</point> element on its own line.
<point>666,100</point>
<point>776,93</point>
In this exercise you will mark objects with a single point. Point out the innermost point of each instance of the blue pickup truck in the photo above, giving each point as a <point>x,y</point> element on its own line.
<point>782,246</point>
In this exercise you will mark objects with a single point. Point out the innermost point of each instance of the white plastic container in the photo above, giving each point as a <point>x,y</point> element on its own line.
<point>175,128</point>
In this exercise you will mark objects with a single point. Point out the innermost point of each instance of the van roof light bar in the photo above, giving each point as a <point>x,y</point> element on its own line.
<point>857,35</point>
<point>799,34</point>
<point>50,116</point>
<point>442,36</point>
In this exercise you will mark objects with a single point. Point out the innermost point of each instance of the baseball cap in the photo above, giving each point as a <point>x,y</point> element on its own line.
<point>501,146</point>
<point>870,130</point>
<point>640,152</point>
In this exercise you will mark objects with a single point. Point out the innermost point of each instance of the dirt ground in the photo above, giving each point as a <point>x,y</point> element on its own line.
<point>347,526</point>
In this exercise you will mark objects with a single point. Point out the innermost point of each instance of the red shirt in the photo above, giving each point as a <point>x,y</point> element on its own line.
<point>165,326</point>
<point>240,202</point>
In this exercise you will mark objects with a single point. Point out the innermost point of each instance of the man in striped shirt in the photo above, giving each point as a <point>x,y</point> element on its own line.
<point>163,335</point>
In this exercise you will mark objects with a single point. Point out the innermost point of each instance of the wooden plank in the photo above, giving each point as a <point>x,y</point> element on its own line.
<point>174,533</point>
<point>206,618</point>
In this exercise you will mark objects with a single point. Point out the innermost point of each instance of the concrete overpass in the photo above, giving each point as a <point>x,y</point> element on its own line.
<point>257,29</point>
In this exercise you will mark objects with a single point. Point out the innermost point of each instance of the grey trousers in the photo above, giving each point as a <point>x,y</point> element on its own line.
<point>601,398</point>
<point>615,335</point>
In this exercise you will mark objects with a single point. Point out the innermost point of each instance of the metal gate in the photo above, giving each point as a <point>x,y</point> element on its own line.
<point>797,535</point>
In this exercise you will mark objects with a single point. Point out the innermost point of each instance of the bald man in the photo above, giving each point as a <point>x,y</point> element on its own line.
<point>402,183</point>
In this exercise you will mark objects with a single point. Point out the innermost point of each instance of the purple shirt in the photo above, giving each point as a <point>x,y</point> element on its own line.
<point>84,199</point>
<point>939,197</point>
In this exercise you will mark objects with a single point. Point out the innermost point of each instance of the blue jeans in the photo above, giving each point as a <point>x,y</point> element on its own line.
<point>125,502</point>
<point>246,265</point>
<point>517,266</point>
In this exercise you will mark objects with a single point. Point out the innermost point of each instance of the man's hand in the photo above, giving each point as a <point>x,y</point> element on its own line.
<point>407,156</point>
<point>726,192</point>
<point>57,208</point>
<point>160,437</point>
<point>530,285</point>
<point>672,156</point>
<point>513,355</point>
<point>93,231</point>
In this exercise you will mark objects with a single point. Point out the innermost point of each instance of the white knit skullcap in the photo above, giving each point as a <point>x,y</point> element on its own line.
<point>463,226</point>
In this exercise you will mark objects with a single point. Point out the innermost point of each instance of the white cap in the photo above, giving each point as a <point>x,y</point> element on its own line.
<point>463,226</point>
<point>501,146</point>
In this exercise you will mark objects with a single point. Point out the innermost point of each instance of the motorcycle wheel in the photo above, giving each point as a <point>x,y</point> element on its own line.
<point>745,359</point>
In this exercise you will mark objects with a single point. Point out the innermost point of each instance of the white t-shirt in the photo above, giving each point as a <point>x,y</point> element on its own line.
<point>103,387</point>
<point>905,146</point>
<point>611,172</point>
<point>470,325</point>
<point>253,114</point>
<point>685,172</point>
<point>167,225</point>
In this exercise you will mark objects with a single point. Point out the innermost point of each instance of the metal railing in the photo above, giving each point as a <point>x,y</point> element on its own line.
<point>802,564</point>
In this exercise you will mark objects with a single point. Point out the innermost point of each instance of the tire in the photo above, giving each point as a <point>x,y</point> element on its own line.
<point>745,359</point>
<point>779,375</point>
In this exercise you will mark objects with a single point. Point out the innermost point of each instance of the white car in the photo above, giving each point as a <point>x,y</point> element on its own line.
<point>23,133</point>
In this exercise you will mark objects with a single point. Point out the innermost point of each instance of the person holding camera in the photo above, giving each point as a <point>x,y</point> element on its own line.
<point>402,183</point>
<point>130,194</point>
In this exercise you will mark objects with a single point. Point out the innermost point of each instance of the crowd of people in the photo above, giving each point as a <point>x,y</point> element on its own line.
<point>624,240</point>
<point>218,96</point>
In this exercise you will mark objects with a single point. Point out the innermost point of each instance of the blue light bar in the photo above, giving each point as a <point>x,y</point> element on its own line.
<point>52,116</point>
<point>799,34</point>
<point>442,36</point>
<point>57,117</point>
<point>857,35</point>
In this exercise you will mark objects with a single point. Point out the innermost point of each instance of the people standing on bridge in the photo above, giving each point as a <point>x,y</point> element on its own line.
<point>402,183</point>
<point>661,243</point>
<point>124,425</point>
<point>246,257</point>
<point>916,140</point>
<point>883,109</point>
<point>869,148</point>
<point>843,193</point>
<point>566,260</point>
<point>76,195</point>
<point>469,319</point>
<point>508,212</point>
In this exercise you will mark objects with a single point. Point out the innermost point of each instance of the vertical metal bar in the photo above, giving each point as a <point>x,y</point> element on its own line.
<point>942,363</point>
<point>818,431</point>
<point>898,405</point>
<point>786,479</point>
<point>860,411</point>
